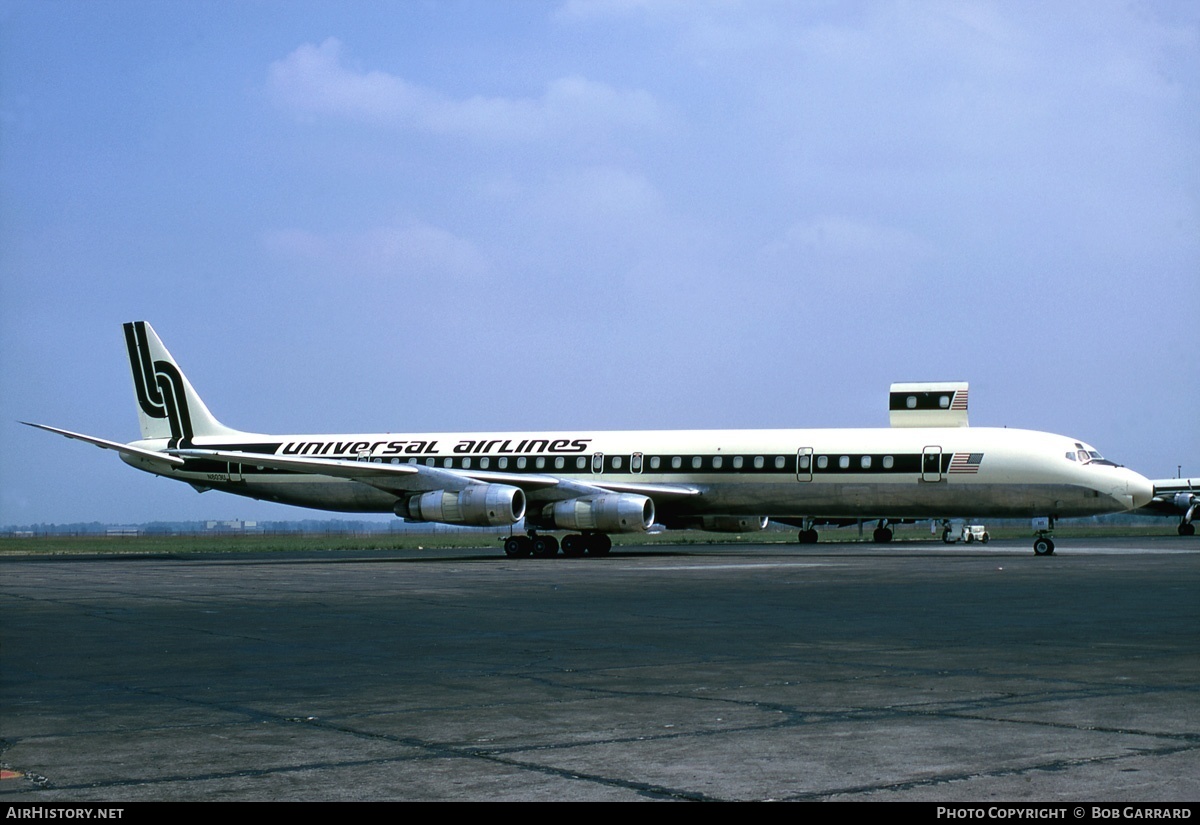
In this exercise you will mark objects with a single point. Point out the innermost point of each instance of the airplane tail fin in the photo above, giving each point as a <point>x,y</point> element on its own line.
<point>168,406</point>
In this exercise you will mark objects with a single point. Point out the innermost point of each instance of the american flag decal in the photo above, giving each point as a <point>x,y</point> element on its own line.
<point>965,462</point>
<point>960,400</point>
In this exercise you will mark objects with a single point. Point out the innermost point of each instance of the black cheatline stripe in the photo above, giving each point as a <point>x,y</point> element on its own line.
<point>902,463</point>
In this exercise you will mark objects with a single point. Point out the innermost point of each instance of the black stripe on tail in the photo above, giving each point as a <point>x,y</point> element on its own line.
<point>159,386</point>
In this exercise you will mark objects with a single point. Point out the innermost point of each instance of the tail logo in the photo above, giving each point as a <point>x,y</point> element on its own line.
<point>159,386</point>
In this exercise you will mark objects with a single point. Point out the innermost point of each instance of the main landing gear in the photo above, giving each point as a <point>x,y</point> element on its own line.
<point>809,534</point>
<point>1186,528</point>
<point>573,545</point>
<point>883,533</point>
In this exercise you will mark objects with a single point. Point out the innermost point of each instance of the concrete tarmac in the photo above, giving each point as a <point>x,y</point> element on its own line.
<point>913,671</point>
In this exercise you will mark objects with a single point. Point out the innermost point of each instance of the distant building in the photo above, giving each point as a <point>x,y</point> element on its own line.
<point>234,526</point>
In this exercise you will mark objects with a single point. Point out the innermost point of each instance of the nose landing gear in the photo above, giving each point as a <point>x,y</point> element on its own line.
<point>1043,545</point>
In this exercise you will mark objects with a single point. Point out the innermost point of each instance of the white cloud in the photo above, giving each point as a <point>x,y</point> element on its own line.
<point>314,80</point>
<point>415,252</point>
<point>836,249</point>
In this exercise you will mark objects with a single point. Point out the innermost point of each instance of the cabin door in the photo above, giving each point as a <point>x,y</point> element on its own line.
<point>804,462</point>
<point>931,464</point>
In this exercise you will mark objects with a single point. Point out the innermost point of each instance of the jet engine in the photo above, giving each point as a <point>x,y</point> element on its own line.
<point>479,505</point>
<point>613,513</point>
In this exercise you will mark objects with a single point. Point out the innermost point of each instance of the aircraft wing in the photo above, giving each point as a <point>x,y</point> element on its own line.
<point>407,478</point>
<point>148,457</point>
<point>1174,496</point>
<point>1167,488</point>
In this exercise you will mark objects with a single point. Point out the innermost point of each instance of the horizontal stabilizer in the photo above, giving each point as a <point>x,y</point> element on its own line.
<point>123,449</point>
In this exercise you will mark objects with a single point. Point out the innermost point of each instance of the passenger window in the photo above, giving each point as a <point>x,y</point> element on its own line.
<point>865,462</point>
<point>540,462</point>
<point>655,461</point>
<point>822,462</point>
<point>696,462</point>
<point>559,462</point>
<point>717,462</point>
<point>737,462</point>
<point>484,462</point>
<point>888,462</point>
<point>944,401</point>
<point>466,463</point>
<point>616,462</point>
<point>911,402</point>
<point>779,462</point>
<point>581,463</point>
<point>758,462</point>
<point>844,462</point>
<point>503,462</point>
<point>521,463</point>
<point>676,462</point>
<point>449,462</point>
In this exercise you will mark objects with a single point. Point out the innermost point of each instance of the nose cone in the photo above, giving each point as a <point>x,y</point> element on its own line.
<point>1139,490</point>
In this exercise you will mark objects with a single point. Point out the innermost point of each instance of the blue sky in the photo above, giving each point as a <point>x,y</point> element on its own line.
<point>421,216</point>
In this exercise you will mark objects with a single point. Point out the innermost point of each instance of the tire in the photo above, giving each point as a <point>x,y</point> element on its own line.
<point>598,544</point>
<point>573,546</point>
<point>545,547</point>
<point>516,547</point>
<point>1043,547</point>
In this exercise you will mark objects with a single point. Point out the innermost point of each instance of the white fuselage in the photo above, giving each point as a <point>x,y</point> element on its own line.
<point>852,473</point>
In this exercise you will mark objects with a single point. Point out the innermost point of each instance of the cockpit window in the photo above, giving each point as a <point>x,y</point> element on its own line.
<point>1085,456</point>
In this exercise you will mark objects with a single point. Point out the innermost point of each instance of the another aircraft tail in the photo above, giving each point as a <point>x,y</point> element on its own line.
<point>168,406</point>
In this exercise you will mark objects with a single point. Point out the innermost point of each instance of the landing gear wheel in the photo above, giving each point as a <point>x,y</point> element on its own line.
<point>808,536</point>
<point>517,547</point>
<point>573,546</point>
<point>598,544</point>
<point>882,535</point>
<point>946,536</point>
<point>1043,546</point>
<point>1188,529</point>
<point>545,547</point>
